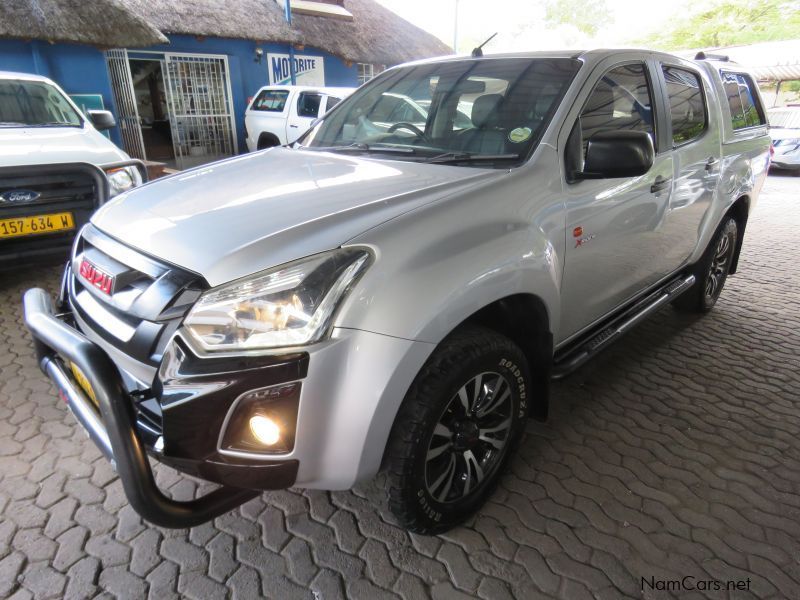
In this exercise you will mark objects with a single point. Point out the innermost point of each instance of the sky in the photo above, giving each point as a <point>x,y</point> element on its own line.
<point>520,26</point>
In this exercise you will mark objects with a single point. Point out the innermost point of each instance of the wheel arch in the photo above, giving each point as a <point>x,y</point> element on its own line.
<point>267,139</point>
<point>524,319</point>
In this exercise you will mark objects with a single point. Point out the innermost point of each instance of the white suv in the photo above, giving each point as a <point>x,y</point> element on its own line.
<point>278,115</point>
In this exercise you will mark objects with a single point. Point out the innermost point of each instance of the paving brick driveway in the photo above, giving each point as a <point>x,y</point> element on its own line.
<point>676,453</point>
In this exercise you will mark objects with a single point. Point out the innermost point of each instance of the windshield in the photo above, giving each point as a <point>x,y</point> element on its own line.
<point>489,111</point>
<point>34,104</point>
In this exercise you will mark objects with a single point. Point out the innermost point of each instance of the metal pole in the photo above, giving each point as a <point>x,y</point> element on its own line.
<point>455,30</point>
<point>777,93</point>
<point>288,14</point>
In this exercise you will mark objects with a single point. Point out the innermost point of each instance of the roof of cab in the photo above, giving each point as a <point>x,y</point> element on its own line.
<point>308,88</point>
<point>595,55</point>
<point>23,76</point>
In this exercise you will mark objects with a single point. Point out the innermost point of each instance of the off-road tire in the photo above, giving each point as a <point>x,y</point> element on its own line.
<point>698,299</point>
<point>465,355</point>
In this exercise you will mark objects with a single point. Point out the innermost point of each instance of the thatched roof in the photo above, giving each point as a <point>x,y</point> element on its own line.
<point>237,19</point>
<point>374,35</point>
<point>104,23</point>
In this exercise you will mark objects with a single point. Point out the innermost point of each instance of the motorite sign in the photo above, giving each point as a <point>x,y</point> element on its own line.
<point>309,70</point>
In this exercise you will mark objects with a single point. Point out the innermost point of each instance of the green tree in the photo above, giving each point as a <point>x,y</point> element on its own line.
<point>587,17</point>
<point>730,22</point>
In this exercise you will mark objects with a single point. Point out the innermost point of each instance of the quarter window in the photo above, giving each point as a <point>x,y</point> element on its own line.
<point>743,102</point>
<point>687,106</point>
<point>621,100</point>
<point>271,101</point>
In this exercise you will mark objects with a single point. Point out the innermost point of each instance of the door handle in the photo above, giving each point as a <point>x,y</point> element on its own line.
<point>711,162</point>
<point>659,184</point>
<point>293,126</point>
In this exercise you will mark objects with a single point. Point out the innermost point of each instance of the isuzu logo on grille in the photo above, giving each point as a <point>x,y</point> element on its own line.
<point>95,276</point>
<point>19,196</point>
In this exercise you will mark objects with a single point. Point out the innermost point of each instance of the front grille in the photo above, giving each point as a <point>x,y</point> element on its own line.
<point>146,304</point>
<point>74,188</point>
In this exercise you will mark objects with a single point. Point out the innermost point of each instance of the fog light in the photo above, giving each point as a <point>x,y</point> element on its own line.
<point>262,421</point>
<point>265,430</point>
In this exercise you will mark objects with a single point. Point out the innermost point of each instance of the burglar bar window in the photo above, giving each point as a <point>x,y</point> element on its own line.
<point>367,72</point>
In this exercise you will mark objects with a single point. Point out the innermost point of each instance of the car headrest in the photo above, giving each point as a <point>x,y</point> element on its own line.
<point>484,109</point>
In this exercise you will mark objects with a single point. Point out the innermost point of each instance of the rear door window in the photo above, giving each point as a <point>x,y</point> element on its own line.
<point>271,101</point>
<point>687,104</point>
<point>746,111</point>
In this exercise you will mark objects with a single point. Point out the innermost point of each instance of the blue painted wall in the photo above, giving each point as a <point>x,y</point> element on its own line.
<point>247,75</point>
<point>82,69</point>
<point>77,69</point>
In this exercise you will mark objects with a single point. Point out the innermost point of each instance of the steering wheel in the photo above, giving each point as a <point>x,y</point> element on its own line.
<point>410,126</point>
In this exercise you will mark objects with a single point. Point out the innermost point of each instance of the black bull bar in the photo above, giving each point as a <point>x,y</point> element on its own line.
<point>113,428</point>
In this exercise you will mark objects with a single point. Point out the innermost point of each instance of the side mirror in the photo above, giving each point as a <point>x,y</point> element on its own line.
<point>101,119</point>
<point>617,154</point>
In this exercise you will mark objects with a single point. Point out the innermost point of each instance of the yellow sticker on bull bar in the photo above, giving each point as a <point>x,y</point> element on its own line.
<point>83,381</point>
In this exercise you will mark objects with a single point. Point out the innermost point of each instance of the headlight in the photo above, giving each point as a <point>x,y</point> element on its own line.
<point>121,180</point>
<point>291,305</point>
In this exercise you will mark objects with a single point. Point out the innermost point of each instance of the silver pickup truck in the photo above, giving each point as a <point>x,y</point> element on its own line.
<point>399,297</point>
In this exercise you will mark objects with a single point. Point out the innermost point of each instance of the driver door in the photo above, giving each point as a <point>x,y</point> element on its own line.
<point>305,110</point>
<point>613,241</point>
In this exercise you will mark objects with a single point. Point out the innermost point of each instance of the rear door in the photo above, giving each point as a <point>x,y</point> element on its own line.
<point>694,136</point>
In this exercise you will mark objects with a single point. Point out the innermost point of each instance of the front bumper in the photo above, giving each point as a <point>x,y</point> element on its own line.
<point>113,427</point>
<point>76,188</point>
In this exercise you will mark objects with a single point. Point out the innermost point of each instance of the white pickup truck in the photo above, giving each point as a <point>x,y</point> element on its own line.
<point>279,115</point>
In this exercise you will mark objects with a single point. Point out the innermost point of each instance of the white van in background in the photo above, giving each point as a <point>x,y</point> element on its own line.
<point>280,114</point>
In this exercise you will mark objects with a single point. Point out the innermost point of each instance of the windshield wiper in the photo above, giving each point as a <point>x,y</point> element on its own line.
<point>457,157</point>
<point>361,147</point>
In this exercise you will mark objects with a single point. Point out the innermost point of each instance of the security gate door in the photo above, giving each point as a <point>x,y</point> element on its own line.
<point>119,72</point>
<point>200,108</point>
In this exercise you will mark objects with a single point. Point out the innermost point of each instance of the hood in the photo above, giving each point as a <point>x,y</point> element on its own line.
<point>51,145</point>
<point>237,217</point>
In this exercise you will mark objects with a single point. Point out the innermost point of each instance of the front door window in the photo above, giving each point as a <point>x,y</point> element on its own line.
<point>621,100</point>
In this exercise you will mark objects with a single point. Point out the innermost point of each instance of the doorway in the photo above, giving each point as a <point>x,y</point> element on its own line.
<point>147,78</point>
<point>173,108</point>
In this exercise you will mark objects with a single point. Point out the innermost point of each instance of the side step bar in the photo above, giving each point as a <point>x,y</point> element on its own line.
<point>583,351</point>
